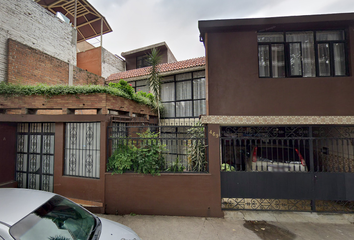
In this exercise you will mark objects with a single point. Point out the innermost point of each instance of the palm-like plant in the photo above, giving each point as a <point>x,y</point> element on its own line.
<point>154,79</point>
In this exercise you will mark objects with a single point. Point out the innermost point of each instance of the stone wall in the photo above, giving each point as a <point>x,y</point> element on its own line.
<point>27,22</point>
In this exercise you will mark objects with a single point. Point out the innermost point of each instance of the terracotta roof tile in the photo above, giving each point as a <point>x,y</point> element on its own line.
<point>164,67</point>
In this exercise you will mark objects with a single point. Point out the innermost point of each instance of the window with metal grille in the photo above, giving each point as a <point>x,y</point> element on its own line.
<point>35,156</point>
<point>82,150</point>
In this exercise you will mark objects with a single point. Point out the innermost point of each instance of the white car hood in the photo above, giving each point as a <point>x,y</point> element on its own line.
<point>116,231</point>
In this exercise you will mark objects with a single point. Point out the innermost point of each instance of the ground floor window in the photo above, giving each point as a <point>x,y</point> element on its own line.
<point>35,156</point>
<point>82,150</point>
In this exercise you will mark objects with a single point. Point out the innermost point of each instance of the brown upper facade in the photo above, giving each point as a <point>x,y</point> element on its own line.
<point>282,66</point>
<point>137,58</point>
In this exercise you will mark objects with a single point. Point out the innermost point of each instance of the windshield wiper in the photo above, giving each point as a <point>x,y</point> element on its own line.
<point>96,231</point>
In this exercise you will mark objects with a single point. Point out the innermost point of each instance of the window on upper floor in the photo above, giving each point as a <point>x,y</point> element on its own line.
<point>140,85</point>
<point>182,95</point>
<point>302,54</point>
<point>142,61</point>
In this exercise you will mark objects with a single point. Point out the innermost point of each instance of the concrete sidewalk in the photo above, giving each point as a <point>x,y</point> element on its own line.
<point>242,225</point>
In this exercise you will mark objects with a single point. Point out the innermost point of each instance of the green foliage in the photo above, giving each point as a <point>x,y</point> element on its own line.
<point>150,154</point>
<point>227,168</point>
<point>154,59</point>
<point>122,158</point>
<point>124,86</point>
<point>147,158</point>
<point>10,90</point>
<point>196,149</point>
<point>175,167</point>
<point>147,95</point>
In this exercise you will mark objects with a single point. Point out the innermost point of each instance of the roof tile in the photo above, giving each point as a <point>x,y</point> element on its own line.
<point>164,67</point>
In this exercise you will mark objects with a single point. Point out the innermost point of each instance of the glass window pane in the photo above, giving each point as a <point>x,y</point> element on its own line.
<point>183,76</point>
<point>263,61</point>
<point>168,78</point>
<point>199,108</point>
<point>199,88</point>
<point>184,109</point>
<point>184,90</point>
<point>307,51</point>
<point>339,59</point>
<point>329,35</point>
<point>295,59</point>
<point>270,37</point>
<point>278,65</point>
<point>168,109</point>
<point>199,74</point>
<point>167,92</point>
<point>142,83</point>
<point>324,60</point>
<point>143,89</point>
<point>132,84</point>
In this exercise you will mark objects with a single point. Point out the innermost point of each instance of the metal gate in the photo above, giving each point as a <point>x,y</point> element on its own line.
<point>35,156</point>
<point>290,168</point>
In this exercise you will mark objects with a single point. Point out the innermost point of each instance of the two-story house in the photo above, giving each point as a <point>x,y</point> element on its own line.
<point>279,95</point>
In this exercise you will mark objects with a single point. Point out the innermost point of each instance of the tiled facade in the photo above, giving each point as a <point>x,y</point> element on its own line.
<point>277,120</point>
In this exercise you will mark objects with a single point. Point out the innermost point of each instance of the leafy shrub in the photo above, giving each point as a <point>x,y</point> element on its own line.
<point>196,149</point>
<point>145,158</point>
<point>146,95</point>
<point>225,167</point>
<point>150,154</point>
<point>124,86</point>
<point>175,167</point>
<point>122,158</point>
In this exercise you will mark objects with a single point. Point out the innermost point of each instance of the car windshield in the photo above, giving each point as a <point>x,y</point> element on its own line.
<point>57,219</point>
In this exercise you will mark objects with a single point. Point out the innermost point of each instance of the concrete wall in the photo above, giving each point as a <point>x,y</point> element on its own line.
<point>234,88</point>
<point>30,24</point>
<point>30,66</point>
<point>111,64</point>
<point>169,194</point>
<point>100,61</point>
<point>77,187</point>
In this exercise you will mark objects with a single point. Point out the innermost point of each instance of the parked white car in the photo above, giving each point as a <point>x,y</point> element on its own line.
<point>270,158</point>
<point>36,215</point>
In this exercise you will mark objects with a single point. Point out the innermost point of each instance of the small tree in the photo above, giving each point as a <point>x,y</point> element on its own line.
<point>154,79</point>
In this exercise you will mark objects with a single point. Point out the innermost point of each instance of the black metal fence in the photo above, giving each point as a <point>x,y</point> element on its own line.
<point>182,144</point>
<point>295,168</point>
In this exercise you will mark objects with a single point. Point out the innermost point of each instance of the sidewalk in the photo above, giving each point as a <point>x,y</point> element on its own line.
<point>242,225</point>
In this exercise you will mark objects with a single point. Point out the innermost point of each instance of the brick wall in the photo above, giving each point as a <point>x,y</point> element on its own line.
<point>30,66</point>
<point>90,60</point>
<point>29,23</point>
<point>83,77</point>
<point>91,101</point>
<point>100,61</point>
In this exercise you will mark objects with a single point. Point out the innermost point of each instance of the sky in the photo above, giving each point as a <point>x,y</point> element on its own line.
<point>139,23</point>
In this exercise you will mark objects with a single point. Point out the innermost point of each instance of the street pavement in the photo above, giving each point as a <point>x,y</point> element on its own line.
<point>242,225</point>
